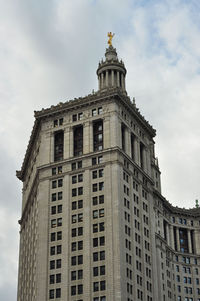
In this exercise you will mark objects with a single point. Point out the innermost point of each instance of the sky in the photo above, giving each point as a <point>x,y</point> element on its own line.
<point>49,52</point>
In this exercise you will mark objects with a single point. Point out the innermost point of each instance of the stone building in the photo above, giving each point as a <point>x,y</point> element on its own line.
<point>94,223</point>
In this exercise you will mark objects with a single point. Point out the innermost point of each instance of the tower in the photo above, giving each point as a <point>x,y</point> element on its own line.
<point>94,224</point>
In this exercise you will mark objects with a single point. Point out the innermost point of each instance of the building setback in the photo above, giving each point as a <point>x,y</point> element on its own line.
<point>94,223</point>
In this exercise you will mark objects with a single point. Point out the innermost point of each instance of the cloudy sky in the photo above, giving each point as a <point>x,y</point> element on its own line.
<point>49,52</point>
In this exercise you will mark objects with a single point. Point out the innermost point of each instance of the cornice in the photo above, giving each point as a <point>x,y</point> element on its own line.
<point>77,103</point>
<point>194,212</point>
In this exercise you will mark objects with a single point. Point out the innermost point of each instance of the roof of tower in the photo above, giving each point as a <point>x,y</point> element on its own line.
<point>111,61</point>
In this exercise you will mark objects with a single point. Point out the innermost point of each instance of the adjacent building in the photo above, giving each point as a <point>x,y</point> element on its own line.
<point>94,224</point>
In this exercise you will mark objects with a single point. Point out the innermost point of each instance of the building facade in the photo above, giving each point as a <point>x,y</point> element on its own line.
<point>94,223</point>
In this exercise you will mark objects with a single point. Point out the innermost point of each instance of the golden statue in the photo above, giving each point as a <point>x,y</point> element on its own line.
<point>110,36</point>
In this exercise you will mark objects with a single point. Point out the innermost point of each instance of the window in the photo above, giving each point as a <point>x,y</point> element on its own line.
<point>132,146</point>
<point>98,135</point>
<point>142,150</point>
<point>58,293</point>
<point>78,140</point>
<point>97,160</point>
<point>123,136</point>
<point>58,146</point>
<point>51,279</point>
<point>60,195</point>
<point>98,213</point>
<point>51,294</point>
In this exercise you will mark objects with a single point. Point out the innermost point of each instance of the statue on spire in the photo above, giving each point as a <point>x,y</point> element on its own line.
<point>110,36</point>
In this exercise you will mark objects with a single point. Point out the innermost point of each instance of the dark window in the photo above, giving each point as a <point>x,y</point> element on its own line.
<point>58,278</point>
<point>53,171</point>
<point>53,251</point>
<point>53,197</point>
<point>79,164</point>
<point>53,236</point>
<point>123,136</point>
<point>102,255</point>
<point>59,235</point>
<point>51,294</point>
<point>58,293</point>
<point>95,200</point>
<point>59,169</point>
<point>95,256</point>
<point>73,290</point>
<point>80,259</point>
<point>78,141</point>
<point>80,289</point>
<point>80,190</point>
<point>98,135</point>
<point>59,249</point>
<point>102,285</point>
<point>102,270</point>
<point>60,183</point>
<point>80,204</point>
<point>80,274</point>
<point>74,117</point>
<point>53,210</point>
<point>59,209</point>
<point>101,199</point>
<point>58,263</point>
<point>73,260</point>
<point>95,286</point>
<point>94,174</point>
<point>95,271</point>
<point>132,146</point>
<point>142,149</point>
<point>95,242</point>
<point>60,195</point>
<point>73,275</point>
<point>58,146</point>
<point>80,245</point>
<point>52,264</point>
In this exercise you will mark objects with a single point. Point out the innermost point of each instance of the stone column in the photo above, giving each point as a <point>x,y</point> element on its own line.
<point>112,78</point>
<point>102,81</point>
<point>67,143</point>
<point>71,142</point>
<point>167,234</point>
<point>177,239</point>
<point>86,137</point>
<point>189,241</point>
<point>171,236</point>
<point>128,141</point>
<point>118,85</point>
<point>136,151</point>
<point>196,237</point>
<point>122,81</point>
<point>99,82</point>
<point>106,78</point>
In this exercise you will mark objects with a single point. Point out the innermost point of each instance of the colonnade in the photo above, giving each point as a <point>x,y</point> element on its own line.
<point>173,238</point>
<point>111,78</point>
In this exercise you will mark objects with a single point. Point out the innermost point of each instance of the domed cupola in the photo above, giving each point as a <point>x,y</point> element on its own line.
<point>111,72</point>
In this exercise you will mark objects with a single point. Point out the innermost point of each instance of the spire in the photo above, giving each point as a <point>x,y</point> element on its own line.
<point>111,72</point>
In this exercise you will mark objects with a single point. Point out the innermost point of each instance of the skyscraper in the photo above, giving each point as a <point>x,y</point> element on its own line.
<point>94,223</point>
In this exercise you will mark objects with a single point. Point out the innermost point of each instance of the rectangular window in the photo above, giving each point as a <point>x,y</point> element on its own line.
<point>123,136</point>
<point>98,135</point>
<point>58,146</point>
<point>60,195</point>
<point>132,146</point>
<point>78,140</point>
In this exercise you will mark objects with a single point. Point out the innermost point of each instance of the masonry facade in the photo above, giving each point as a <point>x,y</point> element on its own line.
<point>94,223</point>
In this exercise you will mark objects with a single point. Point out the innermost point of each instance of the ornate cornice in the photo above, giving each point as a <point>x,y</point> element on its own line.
<point>77,103</point>
<point>194,212</point>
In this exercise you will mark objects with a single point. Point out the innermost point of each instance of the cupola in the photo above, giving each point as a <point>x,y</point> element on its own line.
<point>111,72</point>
